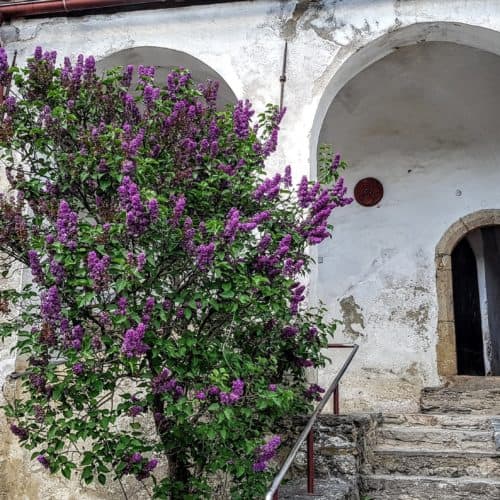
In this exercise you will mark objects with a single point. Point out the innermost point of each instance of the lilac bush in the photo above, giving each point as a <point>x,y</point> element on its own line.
<point>168,273</point>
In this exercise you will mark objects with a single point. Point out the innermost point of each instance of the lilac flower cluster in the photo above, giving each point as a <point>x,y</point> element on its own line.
<point>269,189</point>
<point>35,266</point>
<point>66,225</point>
<point>176,80</point>
<point>5,76</point>
<point>314,391</point>
<point>150,95</point>
<point>147,466</point>
<point>266,453</point>
<point>98,269</point>
<point>135,410</point>
<point>242,115</point>
<point>145,73</point>
<point>77,334</point>
<point>50,306</point>
<point>289,331</point>
<point>56,270</point>
<point>296,298</point>
<point>232,224</point>
<point>20,432</point>
<point>237,390</point>
<point>164,383</point>
<point>180,205</point>
<point>133,344</point>
<point>131,144</point>
<point>205,255</point>
<point>42,459</point>
<point>83,72</point>
<point>128,73</point>
<point>287,177</point>
<point>138,218</point>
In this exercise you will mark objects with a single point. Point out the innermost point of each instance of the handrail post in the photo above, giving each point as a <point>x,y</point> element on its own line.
<point>310,461</point>
<point>336,401</point>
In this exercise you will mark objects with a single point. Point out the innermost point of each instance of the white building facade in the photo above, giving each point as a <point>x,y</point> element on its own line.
<point>407,91</point>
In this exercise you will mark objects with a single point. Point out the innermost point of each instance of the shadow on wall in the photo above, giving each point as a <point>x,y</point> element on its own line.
<point>164,60</point>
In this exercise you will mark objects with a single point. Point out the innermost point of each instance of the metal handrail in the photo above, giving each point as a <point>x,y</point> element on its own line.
<point>307,429</point>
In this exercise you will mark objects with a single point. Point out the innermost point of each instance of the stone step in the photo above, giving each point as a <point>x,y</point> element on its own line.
<point>324,489</point>
<point>392,487</point>
<point>463,395</point>
<point>444,421</point>
<point>436,438</point>
<point>432,462</point>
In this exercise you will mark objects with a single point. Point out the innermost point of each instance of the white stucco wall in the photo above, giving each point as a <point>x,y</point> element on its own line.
<point>391,280</point>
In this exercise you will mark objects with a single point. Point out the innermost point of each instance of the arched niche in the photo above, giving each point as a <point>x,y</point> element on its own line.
<point>446,343</point>
<point>358,58</point>
<point>436,155</point>
<point>164,60</point>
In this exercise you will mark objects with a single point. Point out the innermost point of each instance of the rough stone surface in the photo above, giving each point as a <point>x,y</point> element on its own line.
<point>392,487</point>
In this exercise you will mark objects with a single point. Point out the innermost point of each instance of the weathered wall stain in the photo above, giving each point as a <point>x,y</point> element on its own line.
<point>352,317</point>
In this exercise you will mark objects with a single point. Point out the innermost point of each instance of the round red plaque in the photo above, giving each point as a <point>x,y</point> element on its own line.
<point>368,191</point>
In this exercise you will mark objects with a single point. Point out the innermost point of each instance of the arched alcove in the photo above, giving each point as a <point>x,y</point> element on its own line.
<point>164,60</point>
<point>416,109</point>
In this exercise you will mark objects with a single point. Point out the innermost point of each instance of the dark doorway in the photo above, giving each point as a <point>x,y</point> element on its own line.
<point>468,331</point>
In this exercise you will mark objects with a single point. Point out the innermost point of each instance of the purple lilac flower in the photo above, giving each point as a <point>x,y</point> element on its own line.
<point>289,331</point>
<point>205,255</point>
<point>5,76</point>
<point>269,188</point>
<point>98,269</point>
<point>272,387</point>
<point>122,306</point>
<point>242,114</point>
<point>265,241</point>
<point>145,72</point>
<point>137,218</point>
<point>135,410</point>
<point>43,460</point>
<point>66,225</point>
<point>297,297</point>
<point>51,305</point>
<point>128,167</point>
<point>336,162</point>
<point>20,432</point>
<point>136,458</point>
<point>232,224</point>
<point>141,261</point>
<point>165,383</point>
<point>133,344</point>
<point>189,233</point>
<point>57,271</point>
<point>150,95</point>
<point>213,390</point>
<point>180,205</point>
<point>237,389</point>
<point>200,395</point>
<point>166,304</point>
<point>283,246</point>
<point>265,453</point>
<point>77,337</point>
<point>312,333</point>
<point>127,75</point>
<point>78,369</point>
<point>10,104</point>
<point>35,266</point>
<point>314,391</point>
<point>291,267</point>
<point>153,209</point>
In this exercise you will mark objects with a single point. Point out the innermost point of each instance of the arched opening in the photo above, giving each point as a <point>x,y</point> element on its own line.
<point>421,118</point>
<point>475,275</point>
<point>164,60</point>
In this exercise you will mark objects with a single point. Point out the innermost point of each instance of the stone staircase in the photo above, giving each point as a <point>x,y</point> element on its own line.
<point>446,452</point>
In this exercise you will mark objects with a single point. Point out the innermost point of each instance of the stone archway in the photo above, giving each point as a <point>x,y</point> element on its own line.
<point>446,349</point>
